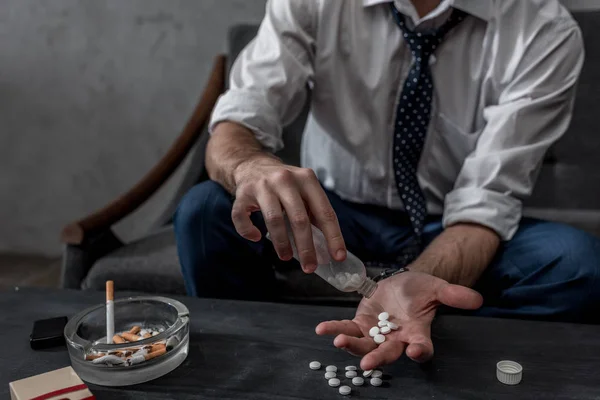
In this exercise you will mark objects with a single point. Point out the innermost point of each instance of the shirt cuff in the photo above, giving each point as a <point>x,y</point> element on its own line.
<point>251,111</point>
<point>499,212</point>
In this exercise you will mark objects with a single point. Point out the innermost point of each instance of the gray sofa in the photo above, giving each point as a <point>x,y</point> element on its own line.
<point>567,191</point>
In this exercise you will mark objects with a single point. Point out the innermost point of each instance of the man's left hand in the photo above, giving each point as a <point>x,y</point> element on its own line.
<point>411,299</point>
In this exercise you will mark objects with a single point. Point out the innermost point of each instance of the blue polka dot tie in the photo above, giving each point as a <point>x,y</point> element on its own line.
<point>413,114</point>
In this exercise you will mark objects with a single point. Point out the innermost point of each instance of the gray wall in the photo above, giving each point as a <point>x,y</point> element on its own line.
<point>92,93</point>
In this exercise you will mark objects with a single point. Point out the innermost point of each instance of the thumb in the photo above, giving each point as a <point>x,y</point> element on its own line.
<point>459,297</point>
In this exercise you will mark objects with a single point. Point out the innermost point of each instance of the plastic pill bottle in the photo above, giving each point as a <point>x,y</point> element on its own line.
<point>349,275</point>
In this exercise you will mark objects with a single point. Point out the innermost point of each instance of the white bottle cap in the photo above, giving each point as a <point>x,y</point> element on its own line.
<point>509,372</point>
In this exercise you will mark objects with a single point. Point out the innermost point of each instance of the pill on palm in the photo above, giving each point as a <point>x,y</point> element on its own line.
<point>331,368</point>
<point>345,390</point>
<point>377,374</point>
<point>314,365</point>
<point>379,339</point>
<point>385,330</point>
<point>373,331</point>
<point>384,316</point>
<point>358,381</point>
<point>350,368</point>
<point>334,382</point>
<point>392,326</point>
<point>381,324</point>
<point>350,374</point>
<point>329,375</point>
<point>376,381</point>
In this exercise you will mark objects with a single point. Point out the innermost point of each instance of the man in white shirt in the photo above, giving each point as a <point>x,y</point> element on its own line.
<point>429,123</point>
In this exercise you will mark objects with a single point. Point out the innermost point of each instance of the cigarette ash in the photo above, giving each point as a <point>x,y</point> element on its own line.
<point>136,354</point>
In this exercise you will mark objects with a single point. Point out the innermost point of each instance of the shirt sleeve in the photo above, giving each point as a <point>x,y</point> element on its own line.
<point>269,79</point>
<point>533,111</point>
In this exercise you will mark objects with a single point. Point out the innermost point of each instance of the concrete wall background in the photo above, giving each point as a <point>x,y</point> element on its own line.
<point>92,93</point>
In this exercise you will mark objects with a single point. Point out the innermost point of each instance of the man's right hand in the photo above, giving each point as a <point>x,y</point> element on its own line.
<point>265,184</point>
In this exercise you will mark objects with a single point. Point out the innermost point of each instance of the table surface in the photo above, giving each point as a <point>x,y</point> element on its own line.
<point>261,351</point>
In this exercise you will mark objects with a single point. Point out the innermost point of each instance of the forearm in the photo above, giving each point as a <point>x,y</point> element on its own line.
<point>460,254</point>
<point>231,146</point>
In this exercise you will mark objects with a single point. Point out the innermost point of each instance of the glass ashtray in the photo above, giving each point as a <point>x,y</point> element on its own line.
<point>164,323</point>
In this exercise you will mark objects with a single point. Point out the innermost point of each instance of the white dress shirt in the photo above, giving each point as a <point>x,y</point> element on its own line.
<point>504,85</point>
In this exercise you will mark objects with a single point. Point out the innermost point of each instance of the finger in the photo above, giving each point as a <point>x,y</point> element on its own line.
<point>387,352</point>
<point>346,327</point>
<point>243,206</point>
<point>459,297</point>
<point>275,222</point>
<point>354,345</point>
<point>324,215</point>
<point>301,227</point>
<point>420,352</point>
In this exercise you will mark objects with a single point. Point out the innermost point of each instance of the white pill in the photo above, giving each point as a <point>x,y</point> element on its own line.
<point>385,330</point>
<point>314,365</point>
<point>329,375</point>
<point>381,324</point>
<point>376,381</point>
<point>377,374</point>
<point>392,326</point>
<point>368,373</point>
<point>358,381</point>
<point>379,339</point>
<point>345,390</point>
<point>384,316</point>
<point>351,368</point>
<point>334,382</point>
<point>373,331</point>
<point>350,374</point>
<point>331,368</point>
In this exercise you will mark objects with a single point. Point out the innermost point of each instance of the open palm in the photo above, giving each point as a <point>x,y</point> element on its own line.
<point>411,299</point>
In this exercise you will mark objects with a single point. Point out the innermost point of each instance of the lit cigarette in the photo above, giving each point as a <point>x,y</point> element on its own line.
<point>110,311</point>
<point>130,337</point>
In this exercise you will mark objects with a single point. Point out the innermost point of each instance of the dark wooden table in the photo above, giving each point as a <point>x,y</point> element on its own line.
<point>261,351</point>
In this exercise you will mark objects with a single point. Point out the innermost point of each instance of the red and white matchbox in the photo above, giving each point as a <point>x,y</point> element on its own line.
<point>54,385</point>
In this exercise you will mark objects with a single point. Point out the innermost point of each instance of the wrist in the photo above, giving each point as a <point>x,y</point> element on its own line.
<point>244,167</point>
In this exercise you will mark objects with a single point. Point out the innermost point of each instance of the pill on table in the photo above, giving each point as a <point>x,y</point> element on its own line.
<point>385,330</point>
<point>379,339</point>
<point>350,374</point>
<point>358,381</point>
<point>368,373</point>
<point>314,365</point>
<point>392,326</point>
<point>334,382</point>
<point>377,374</point>
<point>384,316</point>
<point>373,331</point>
<point>329,375</point>
<point>351,368</point>
<point>331,368</point>
<point>345,390</point>
<point>376,381</point>
<point>381,324</point>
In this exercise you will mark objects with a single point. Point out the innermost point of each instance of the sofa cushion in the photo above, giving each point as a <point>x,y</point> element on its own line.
<point>148,265</point>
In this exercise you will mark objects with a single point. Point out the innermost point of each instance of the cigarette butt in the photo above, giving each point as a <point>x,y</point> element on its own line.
<point>147,335</point>
<point>90,357</point>
<point>110,290</point>
<point>135,330</point>
<point>156,353</point>
<point>130,337</point>
<point>118,339</point>
<point>156,347</point>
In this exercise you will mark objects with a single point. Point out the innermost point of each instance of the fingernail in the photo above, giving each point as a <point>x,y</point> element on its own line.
<point>341,254</point>
<point>310,267</point>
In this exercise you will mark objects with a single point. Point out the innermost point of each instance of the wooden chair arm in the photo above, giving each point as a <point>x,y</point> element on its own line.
<point>75,232</point>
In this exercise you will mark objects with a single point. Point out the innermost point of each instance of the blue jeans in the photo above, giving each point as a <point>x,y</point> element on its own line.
<point>547,271</point>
